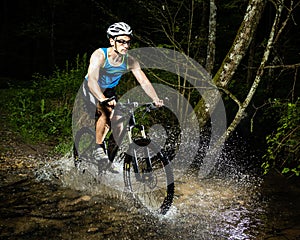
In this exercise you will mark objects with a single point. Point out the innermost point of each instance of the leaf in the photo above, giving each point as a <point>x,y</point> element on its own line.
<point>285,170</point>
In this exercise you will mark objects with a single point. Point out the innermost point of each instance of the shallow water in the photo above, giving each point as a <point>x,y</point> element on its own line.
<point>54,202</point>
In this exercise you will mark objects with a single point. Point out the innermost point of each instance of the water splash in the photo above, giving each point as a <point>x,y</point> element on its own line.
<point>64,172</point>
<point>225,206</point>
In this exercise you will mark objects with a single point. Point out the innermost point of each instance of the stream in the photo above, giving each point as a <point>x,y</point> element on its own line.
<point>53,201</point>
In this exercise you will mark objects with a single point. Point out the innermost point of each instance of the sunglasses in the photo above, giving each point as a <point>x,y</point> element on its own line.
<point>122,41</point>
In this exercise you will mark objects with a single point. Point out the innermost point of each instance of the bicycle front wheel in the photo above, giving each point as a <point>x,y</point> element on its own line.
<point>148,175</point>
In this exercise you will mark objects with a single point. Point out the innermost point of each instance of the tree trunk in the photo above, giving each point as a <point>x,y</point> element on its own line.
<point>211,45</point>
<point>239,115</point>
<point>235,55</point>
<point>241,43</point>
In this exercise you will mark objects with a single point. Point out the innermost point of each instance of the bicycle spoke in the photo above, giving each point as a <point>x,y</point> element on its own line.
<point>155,188</point>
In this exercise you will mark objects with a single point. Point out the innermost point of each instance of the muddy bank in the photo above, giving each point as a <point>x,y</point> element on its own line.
<point>32,210</point>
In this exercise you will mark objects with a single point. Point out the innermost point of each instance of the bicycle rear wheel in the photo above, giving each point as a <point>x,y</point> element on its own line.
<point>152,185</point>
<point>84,145</point>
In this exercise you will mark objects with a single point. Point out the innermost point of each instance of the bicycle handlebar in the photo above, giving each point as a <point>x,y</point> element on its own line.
<point>108,100</point>
<point>149,106</point>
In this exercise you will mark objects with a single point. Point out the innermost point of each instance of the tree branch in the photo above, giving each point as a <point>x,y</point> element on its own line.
<point>296,65</point>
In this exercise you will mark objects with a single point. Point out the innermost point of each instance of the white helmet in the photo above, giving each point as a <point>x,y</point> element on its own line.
<point>118,29</point>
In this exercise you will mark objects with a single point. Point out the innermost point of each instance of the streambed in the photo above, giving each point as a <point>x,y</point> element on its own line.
<point>36,203</point>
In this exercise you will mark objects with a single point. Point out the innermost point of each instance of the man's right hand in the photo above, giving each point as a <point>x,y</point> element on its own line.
<point>109,102</point>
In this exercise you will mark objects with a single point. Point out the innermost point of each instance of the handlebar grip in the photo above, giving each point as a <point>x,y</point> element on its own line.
<point>108,100</point>
<point>151,106</point>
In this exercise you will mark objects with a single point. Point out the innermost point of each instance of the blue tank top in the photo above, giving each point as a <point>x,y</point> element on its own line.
<point>110,75</point>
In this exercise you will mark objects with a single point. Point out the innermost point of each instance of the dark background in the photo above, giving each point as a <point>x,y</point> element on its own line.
<point>37,35</point>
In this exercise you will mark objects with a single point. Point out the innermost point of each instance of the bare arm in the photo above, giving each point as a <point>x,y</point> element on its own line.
<point>96,61</point>
<point>144,82</point>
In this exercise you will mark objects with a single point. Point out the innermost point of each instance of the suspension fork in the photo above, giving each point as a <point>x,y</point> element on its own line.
<point>146,172</point>
<point>146,151</point>
<point>132,151</point>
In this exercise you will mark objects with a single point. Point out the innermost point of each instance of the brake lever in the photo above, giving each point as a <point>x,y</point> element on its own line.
<point>149,108</point>
<point>108,100</point>
<point>152,107</point>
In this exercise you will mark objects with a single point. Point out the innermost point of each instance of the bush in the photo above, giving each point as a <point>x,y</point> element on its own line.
<point>43,111</point>
<point>283,145</point>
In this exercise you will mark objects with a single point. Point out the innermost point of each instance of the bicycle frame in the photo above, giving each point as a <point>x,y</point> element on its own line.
<point>131,124</point>
<point>147,171</point>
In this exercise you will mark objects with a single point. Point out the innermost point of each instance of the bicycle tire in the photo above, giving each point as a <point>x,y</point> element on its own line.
<point>154,189</point>
<point>84,145</point>
<point>83,148</point>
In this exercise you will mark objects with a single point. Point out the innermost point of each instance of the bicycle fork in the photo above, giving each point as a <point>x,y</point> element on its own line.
<point>142,165</point>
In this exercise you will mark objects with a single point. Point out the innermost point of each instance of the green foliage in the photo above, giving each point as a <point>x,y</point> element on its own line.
<point>43,111</point>
<point>283,145</point>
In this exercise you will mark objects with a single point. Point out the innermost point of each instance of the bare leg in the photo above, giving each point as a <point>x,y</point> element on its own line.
<point>102,123</point>
<point>117,129</point>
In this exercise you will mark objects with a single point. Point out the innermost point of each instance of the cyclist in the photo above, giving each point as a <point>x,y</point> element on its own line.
<point>104,73</point>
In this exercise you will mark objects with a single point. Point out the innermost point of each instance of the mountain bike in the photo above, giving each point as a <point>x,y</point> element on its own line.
<point>147,171</point>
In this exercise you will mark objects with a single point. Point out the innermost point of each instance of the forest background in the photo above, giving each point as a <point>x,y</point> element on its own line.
<point>250,48</point>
